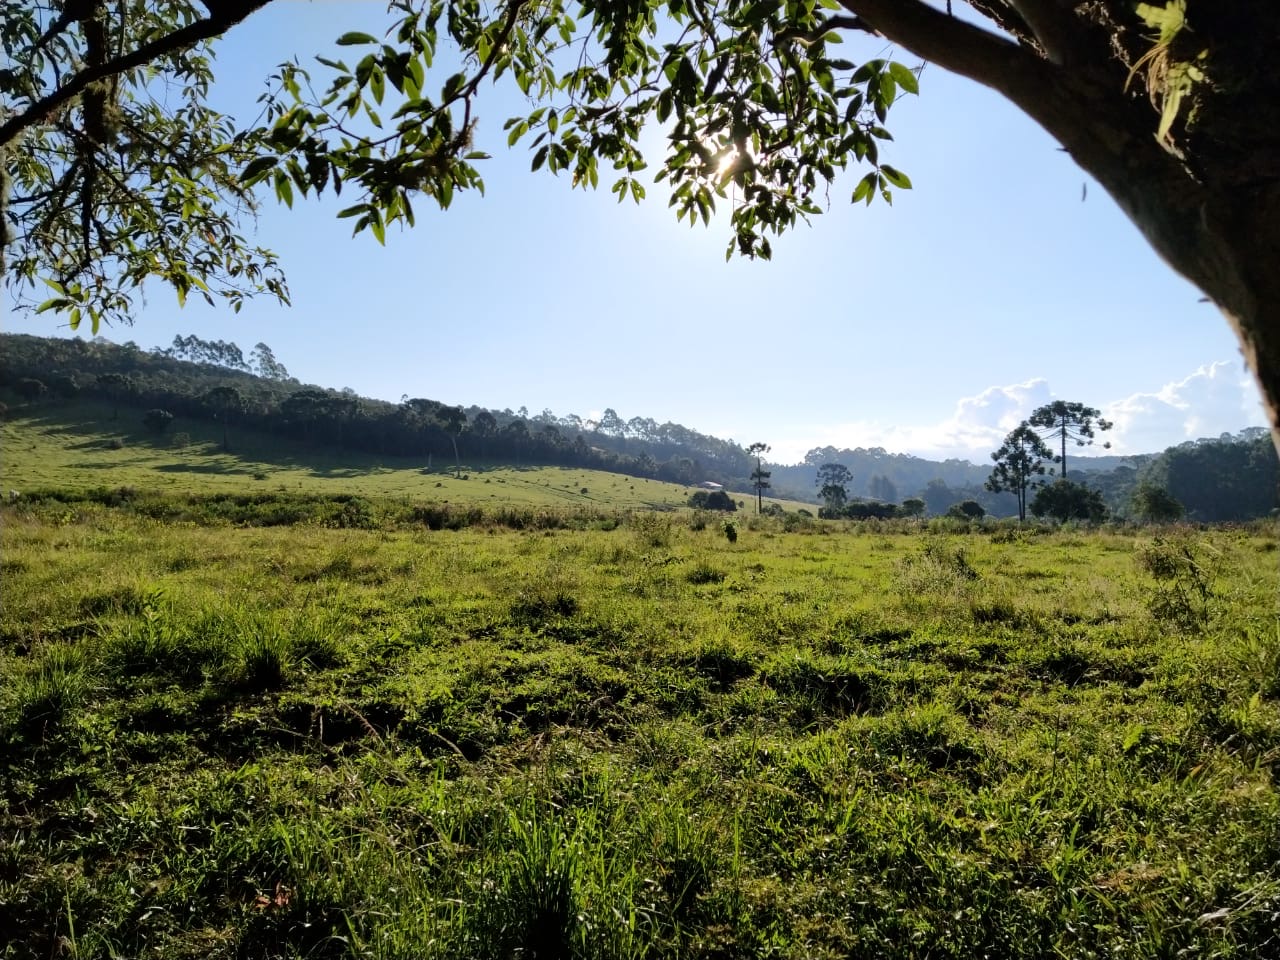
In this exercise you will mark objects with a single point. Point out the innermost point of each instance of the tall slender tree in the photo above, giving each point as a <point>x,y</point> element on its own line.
<point>1063,421</point>
<point>225,402</point>
<point>1020,459</point>
<point>833,481</point>
<point>453,420</point>
<point>759,476</point>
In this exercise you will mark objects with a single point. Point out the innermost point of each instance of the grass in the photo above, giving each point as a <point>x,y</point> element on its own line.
<point>644,741</point>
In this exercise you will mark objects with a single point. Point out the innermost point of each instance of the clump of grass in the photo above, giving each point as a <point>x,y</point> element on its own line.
<point>262,661</point>
<point>47,692</point>
<point>535,911</point>
<point>650,529</point>
<point>536,605</point>
<point>721,662</point>
<point>826,684</point>
<point>932,734</point>
<point>939,568</point>
<point>703,572</point>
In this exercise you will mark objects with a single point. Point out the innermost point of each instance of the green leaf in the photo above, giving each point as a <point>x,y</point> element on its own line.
<point>895,176</point>
<point>354,38</point>
<point>864,191</point>
<point>56,303</point>
<point>284,189</point>
<point>904,77</point>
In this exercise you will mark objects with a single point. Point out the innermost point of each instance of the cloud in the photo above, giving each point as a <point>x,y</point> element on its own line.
<point>1214,399</point>
<point>974,428</point>
<point>1218,398</point>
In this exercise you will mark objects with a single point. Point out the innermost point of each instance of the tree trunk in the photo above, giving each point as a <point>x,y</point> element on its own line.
<point>1207,200</point>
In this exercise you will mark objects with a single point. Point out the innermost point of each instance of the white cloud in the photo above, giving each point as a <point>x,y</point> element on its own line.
<point>973,429</point>
<point>1214,399</point>
<point>1218,398</point>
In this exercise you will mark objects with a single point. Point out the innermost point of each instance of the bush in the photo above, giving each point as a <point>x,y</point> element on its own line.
<point>1067,500</point>
<point>712,500</point>
<point>1156,504</point>
<point>967,510</point>
<point>157,420</point>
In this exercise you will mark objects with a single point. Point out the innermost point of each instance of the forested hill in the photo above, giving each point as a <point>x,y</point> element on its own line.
<point>1233,477</point>
<point>213,380</point>
<point>881,475</point>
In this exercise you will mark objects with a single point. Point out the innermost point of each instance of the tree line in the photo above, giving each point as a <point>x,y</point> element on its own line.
<point>198,380</point>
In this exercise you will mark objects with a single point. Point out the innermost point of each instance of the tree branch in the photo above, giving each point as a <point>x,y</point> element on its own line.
<point>224,15</point>
<point>1053,26</point>
<point>953,44</point>
<point>1110,136</point>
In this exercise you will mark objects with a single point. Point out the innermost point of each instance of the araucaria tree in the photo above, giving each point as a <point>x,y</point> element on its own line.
<point>116,169</point>
<point>759,476</point>
<point>833,481</point>
<point>1020,459</point>
<point>1063,421</point>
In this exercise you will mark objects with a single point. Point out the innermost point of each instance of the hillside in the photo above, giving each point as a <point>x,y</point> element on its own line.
<point>80,444</point>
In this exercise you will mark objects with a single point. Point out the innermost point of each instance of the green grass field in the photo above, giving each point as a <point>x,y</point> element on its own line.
<point>616,732</point>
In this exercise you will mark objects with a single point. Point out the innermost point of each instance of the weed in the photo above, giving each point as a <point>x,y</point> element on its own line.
<point>47,692</point>
<point>703,572</point>
<point>1184,575</point>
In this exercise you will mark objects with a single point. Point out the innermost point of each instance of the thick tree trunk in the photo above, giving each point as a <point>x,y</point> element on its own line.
<point>1209,205</point>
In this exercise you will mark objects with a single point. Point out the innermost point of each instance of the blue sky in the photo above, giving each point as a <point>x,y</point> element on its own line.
<point>931,327</point>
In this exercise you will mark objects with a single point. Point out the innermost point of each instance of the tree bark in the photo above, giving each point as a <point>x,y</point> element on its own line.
<point>1215,223</point>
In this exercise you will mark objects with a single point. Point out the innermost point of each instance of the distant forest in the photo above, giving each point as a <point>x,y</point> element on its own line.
<point>1232,477</point>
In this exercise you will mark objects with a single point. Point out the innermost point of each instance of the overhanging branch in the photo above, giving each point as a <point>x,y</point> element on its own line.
<point>953,44</point>
<point>223,17</point>
<point>1084,108</point>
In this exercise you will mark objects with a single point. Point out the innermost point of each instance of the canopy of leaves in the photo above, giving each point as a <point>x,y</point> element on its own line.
<point>1064,500</point>
<point>117,169</point>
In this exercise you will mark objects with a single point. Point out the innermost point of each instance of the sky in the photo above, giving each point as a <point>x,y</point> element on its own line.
<point>1004,279</point>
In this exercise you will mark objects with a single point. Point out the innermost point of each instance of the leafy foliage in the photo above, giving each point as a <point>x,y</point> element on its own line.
<point>712,500</point>
<point>1065,500</point>
<point>1068,421</point>
<point>1156,504</point>
<point>117,169</point>
<point>833,481</point>
<point>1019,461</point>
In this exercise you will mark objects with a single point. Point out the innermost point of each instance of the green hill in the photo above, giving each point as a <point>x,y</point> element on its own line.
<point>83,444</point>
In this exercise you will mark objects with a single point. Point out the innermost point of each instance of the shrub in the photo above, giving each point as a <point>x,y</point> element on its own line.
<point>967,510</point>
<point>1184,571</point>
<point>712,500</point>
<point>156,420</point>
<point>1067,500</point>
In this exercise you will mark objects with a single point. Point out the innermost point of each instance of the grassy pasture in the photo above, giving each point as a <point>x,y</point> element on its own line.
<point>73,445</point>
<point>639,742</point>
